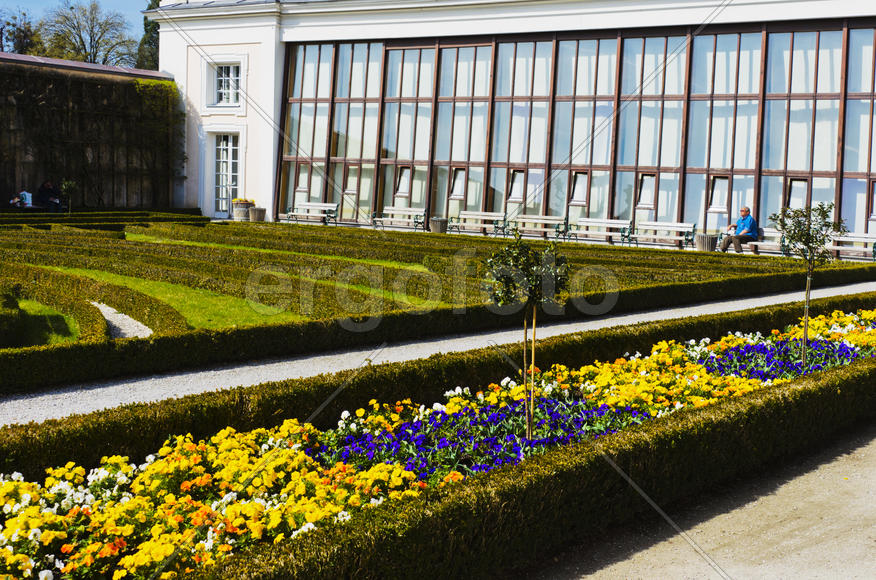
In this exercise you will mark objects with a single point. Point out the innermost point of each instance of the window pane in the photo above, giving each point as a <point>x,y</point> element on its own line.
<point>538,133</point>
<point>519,133</point>
<point>305,135</point>
<point>345,61</point>
<point>826,126</point>
<point>543,57</point>
<point>442,131</point>
<point>523,69</point>
<point>582,136</point>
<point>704,53</point>
<point>464,71</point>
<point>360,63</point>
<point>676,59</point>
<point>699,134</point>
<point>475,192</point>
<point>505,73</point>
<point>457,186</point>
<point>749,63</point>
<point>854,205</point>
<point>497,190</point>
<point>803,72</point>
<point>585,83</point>
<point>797,193</point>
<point>325,71</point>
<point>778,63</point>
<point>647,185</point>
<point>427,66</point>
<point>448,70</point>
<point>774,140</point>
<point>390,130</point>
<point>770,199</point>
<point>558,187</point>
<point>460,132</point>
<point>607,67</point>
<point>742,194</point>
<point>823,189</point>
<point>716,215</point>
<point>580,185</point>
<point>694,198</point>
<point>339,136</point>
<point>406,131</point>
<point>354,131</point>
<point>670,152</point>
<point>722,133</point>
<point>667,197</point>
<point>623,195</point>
<point>860,75</point>
<point>652,73</point>
<point>602,131</point>
<point>534,191</point>
<point>403,183</point>
<point>320,133</point>
<point>409,73</point>
<point>369,135</point>
<point>418,188</point>
<point>501,132</point>
<point>477,151</point>
<point>600,182</point>
<point>393,73</point>
<point>857,135</point>
<point>649,133</point>
<point>566,67</point>
<point>424,125</point>
<point>830,52</point>
<point>562,133</point>
<point>439,191</point>
<point>746,134</point>
<point>482,72</point>
<point>799,135</point>
<point>632,69</point>
<point>299,68</point>
<point>311,60</point>
<point>515,188</point>
<point>627,133</point>
<point>316,182</point>
<point>375,54</point>
<point>292,130</point>
<point>725,64</point>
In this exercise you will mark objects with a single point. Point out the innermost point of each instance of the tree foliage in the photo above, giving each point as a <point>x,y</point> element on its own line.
<point>19,33</point>
<point>147,52</point>
<point>85,32</point>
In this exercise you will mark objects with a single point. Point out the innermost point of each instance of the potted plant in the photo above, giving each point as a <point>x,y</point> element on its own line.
<point>240,208</point>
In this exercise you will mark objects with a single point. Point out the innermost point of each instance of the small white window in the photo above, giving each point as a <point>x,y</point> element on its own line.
<point>227,84</point>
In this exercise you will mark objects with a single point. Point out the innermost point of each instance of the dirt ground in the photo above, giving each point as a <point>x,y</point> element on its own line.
<point>814,517</point>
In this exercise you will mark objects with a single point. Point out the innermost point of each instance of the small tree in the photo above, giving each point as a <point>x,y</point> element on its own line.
<point>807,233</point>
<point>520,274</point>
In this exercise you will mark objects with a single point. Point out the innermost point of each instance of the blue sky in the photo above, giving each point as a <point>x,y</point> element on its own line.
<point>130,9</point>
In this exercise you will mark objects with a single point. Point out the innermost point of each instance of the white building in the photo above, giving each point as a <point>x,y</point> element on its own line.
<point>675,110</point>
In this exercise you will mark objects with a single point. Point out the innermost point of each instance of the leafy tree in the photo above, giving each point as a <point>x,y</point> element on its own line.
<point>19,33</point>
<point>147,52</point>
<point>87,33</point>
<point>808,232</point>
<point>520,274</point>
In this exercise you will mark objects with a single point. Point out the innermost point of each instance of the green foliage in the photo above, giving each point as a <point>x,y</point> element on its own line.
<point>808,232</point>
<point>10,314</point>
<point>19,34</point>
<point>518,273</point>
<point>147,51</point>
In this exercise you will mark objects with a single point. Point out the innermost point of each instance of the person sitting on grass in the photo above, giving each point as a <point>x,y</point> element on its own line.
<point>746,231</point>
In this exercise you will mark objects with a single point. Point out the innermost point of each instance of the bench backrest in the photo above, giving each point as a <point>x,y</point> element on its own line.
<point>317,206</point>
<point>481,215</point>
<point>404,211</point>
<point>603,223</point>
<point>540,219</point>
<point>669,226</point>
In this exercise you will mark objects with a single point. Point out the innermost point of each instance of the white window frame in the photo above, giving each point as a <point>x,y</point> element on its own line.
<point>210,83</point>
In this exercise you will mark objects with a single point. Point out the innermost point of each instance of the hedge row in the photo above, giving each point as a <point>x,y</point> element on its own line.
<point>83,217</point>
<point>520,515</point>
<point>138,429</point>
<point>37,368</point>
<point>157,315</point>
<point>10,315</point>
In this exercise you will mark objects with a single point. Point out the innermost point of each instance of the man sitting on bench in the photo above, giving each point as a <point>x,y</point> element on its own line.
<point>746,231</point>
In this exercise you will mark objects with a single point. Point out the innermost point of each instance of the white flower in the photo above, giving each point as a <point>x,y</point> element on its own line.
<point>35,534</point>
<point>678,405</point>
<point>438,407</point>
<point>342,516</point>
<point>46,575</point>
<point>345,415</point>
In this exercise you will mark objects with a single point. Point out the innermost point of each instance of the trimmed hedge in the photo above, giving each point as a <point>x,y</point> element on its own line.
<point>10,315</point>
<point>522,514</point>
<point>86,438</point>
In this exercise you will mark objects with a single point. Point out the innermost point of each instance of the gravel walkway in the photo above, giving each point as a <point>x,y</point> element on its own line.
<point>95,396</point>
<point>121,325</point>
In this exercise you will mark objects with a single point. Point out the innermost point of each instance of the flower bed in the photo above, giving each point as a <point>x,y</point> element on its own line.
<point>236,489</point>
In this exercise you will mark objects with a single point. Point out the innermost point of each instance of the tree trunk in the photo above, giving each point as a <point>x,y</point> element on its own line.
<point>532,384</point>
<point>806,317</point>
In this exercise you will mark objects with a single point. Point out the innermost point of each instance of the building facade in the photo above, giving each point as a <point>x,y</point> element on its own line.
<point>667,110</point>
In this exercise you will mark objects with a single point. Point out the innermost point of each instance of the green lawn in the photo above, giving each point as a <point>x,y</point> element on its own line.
<point>200,308</point>
<point>45,325</point>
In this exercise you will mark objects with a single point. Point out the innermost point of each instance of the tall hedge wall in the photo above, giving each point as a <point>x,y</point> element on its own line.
<point>119,138</point>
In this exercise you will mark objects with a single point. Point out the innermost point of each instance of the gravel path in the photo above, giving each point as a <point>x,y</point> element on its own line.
<point>121,325</point>
<point>86,398</point>
<point>813,517</point>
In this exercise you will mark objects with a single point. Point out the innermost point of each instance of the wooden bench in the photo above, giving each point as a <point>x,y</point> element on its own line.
<point>324,212</point>
<point>478,220</point>
<point>768,239</point>
<point>673,231</point>
<point>545,224</point>
<point>836,244</point>
<point>610,229</point>
<point>404,216</point>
